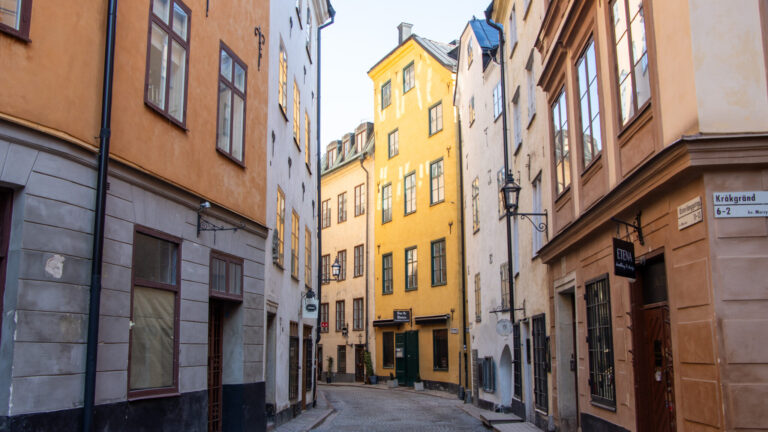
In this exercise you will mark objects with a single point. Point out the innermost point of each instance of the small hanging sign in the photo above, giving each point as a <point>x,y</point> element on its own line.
<point>623,258</point>
<point>310,308</point>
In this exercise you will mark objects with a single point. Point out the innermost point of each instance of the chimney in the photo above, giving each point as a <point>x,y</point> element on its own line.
<point>403,32</point>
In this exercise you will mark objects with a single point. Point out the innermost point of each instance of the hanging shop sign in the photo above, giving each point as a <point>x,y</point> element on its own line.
<point>402,316</point>
<point>740,204</point>
<point>310,308</point>
<point>689,213</point>
<point>623,258</point>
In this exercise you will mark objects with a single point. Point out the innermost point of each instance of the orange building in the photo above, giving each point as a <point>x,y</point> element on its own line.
<point>179,286</point>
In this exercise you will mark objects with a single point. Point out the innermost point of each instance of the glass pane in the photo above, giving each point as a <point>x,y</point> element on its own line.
<point>152,338</point>
<point>597,134</point>
<point>225,114</point>
<point>585,117</point>
<point>642,81</point>
<point>218,275</point>
<point>238,127</point>
<point>158,59</point>
<point>582,77</point>
<point>226,65</point>
<point>594,100</point>
<point>176,90</point>
<point>638,38</point>
<point>622,58</point>
<point>180,21</point>
<point>591,66</point>
<point>154,259</point>
<point>161,8</point>
<point>235,278</point>
<point>627,107</point>
<point>619,18</point>
<point>10,13</point>
<point>239,77</point>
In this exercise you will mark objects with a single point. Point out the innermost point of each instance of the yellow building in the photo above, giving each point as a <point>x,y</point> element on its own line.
<point>418,288</point>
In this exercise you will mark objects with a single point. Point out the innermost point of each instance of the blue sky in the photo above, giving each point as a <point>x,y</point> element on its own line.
<point>364,32</point>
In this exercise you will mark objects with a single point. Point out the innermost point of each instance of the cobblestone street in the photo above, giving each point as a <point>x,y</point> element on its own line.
<point>364,409</point>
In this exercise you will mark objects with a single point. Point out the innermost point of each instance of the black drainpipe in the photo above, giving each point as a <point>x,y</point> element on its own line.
<point>98,224</point>
<point>463,263</point>
<point>365,248</point>
<point>332,13</point>
<point>488,13</point>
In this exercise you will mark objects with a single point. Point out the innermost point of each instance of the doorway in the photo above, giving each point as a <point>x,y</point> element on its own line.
<point>359,363</point>
<point>505,377</point>
<point>567,363</point>
<point>527,370</point>
<point>407,357</point>
<point>654,374</point>
<point>307,356</point>
<point>215,361</point>
<point>270,371</point>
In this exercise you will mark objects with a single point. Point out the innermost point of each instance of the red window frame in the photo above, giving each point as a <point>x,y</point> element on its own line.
<point>228,259</point>
<point>233,91</point>
<point>24,22</point>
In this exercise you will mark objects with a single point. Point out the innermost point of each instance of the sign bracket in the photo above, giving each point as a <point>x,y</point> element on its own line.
<point>637,226</point>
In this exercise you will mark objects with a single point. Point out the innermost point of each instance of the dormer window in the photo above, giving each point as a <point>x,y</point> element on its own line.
<point>359,142</point>
<point>332,153</point>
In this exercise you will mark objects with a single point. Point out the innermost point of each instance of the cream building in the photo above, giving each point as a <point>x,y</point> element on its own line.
<point>346,302</point>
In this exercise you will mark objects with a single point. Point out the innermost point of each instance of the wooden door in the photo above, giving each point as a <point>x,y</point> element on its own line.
<point>400,363</point>
<point>215,385</point>
<point>307,365</point>
<point>359,363</point>
<point>411,356</point>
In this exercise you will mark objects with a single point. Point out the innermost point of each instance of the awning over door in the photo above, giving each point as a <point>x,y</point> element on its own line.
<point>432,319</point>
<point>386,323</point>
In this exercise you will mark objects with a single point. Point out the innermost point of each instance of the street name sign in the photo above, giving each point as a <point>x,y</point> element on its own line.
<point>689,213</point>
<point>740,204</point>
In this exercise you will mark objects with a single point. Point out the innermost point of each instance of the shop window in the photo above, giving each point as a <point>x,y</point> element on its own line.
<point>600,342</point>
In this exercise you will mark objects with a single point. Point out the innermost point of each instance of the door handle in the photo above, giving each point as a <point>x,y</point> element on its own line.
<point>573,363</point>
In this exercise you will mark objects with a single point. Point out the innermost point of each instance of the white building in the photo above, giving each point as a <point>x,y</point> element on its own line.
<point>291,203</point>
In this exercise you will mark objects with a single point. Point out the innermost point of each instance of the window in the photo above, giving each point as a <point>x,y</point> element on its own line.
<point>489,375</point>
<point>333,149</point>
<point>307,257</point>
<point>409,77</point>
<point>386,274</point>
<point>536,193</point>
<point>589,104</point>
<point>437,182</point>
<point>526,7</point>
<point>531,88</point>
<point>540,363</point>
<point>359,260</point>
<point>436,118</point>
<point>386,94</point>
<point>478,298</point>
<point>476,204</point>
<point>340,323</point>
<point>504,273</point>
<point>359,200</point>
<point>517,123</point>
<point>386,203</point>
<point>392,142</point>
<point>293,362</point>
<point>471,110</point>
<point>346,146</point>
<point>230,127</point>
<point>411,270</point>
<point>498,105</point>
<point>631,56</point>
<point>562,152</point>
<point>499,184</point>
<point>512,31</point>
<point>325,268</point>
<point>226,276</point>
<point>295,245</point>
<point>341,354</point>
<point>279,228</point>
<point>309,35</point>
<point>324,317</point>
<point>15,16</point>
<point>410,193</point>
<point>515,246</point>
<point>357,314</point>
<point>307,139</point>
<point>341,213</point>
<point>296,115</point>
<point>359,141</point>
<point>153,355</point>
<point>440,349</point>
<point>517,347</point>
<point>326,213</point>
<point>438,263</point>
<point>600,342</point>
<point>388,349</point>
<point>342,257</point>
<point>167,59</point>
<point>282,86</point>
<point>469,53</point>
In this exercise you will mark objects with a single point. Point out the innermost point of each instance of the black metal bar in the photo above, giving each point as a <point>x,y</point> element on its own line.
<point>637,226</point>
<point>89,392</point>
<point>463,264</point>
<point>332,13</point>
<point>538,226</point>
<point>500,30</point>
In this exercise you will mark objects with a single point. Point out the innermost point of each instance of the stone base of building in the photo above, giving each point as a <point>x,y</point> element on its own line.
<point>596,424</point>
<point>442,386</point>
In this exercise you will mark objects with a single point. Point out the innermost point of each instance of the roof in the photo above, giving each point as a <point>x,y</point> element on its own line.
<point>352,154</point>
<point>444,53</point>
<point>487,36</point>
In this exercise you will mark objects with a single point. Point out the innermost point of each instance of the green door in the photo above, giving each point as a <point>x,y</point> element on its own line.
<point>400,362</point>
<point>411,356</point>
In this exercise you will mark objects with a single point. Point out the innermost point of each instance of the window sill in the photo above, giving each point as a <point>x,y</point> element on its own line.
<point>230,157</point>
<point>282,109</point>
<point>278,265</point>
<point>439,370</point>
<point>386,293</point>
<point>15,33</point>
<point>518,146</point>
<point>498,116</point>
<point>475,231</point>
<point>309,168</point>
<point>431,134</point>
<point>387,367</point>
<point>406,91</point>
<point>439,284</point>
<point>386,222</point>
<point>633,121</point>
<point>603,406</point>
<point>563,194</point>
<point>295,278</point>
<point>530,120</point>
<point>158,111</point>
<point>512,50</point>
<point>391,156</point>
<point>592,163</point>
<point>361,214</point>
<point>437,202</point>
<point>411,289</point>
<point>226,296</point>
<point>296,141</point>
<point>357,276</point>
<point>409,213</point>
<point>138,395</point>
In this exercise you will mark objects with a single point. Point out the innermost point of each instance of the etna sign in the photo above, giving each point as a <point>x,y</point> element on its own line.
<point>623,258</point>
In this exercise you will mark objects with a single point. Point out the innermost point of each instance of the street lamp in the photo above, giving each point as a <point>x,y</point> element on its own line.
<point>511,194</point>
<point>336,268</point>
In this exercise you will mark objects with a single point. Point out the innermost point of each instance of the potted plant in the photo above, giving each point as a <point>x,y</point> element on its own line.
<point>418,385</point>
<point>330,368</point>
<point>372,379</point>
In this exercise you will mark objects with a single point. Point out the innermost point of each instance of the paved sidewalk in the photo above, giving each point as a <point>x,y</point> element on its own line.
<point>383,386</point>
<point>310,418</point>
